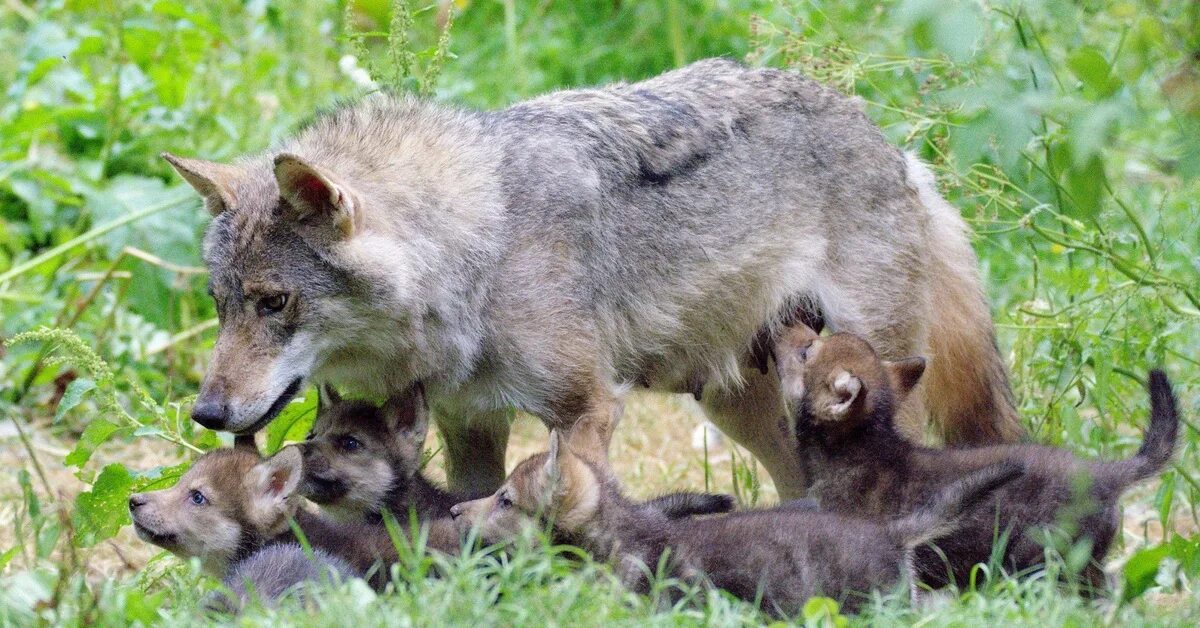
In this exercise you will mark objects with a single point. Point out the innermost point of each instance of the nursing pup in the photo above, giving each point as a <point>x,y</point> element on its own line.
<point>780,557</point>
<point>232,504</point>
<point>844,400</point>
<point>361,459</point>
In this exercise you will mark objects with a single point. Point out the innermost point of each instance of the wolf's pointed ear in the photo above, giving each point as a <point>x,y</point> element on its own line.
<point>213,181</point>
<point>904,375</point>
<point>272,483</point>
<point>327,396</point>
<point>407,415</point>
<point>315,195</point>
<point>846,389</point>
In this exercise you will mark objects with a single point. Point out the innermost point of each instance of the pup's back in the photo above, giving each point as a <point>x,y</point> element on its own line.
<point>274,571</point>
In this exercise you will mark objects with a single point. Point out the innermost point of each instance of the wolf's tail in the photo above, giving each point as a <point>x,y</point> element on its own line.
<point>944,514</point>
<point>689,504</point>
<point>1158,445</point>
<point>966,388</point>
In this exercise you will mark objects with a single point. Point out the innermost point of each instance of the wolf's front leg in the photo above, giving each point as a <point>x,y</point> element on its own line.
<point>475,443</point>
<point>590,416</point>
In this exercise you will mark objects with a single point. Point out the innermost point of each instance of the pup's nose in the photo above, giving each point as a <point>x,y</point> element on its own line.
<point>136,501</point>
<point>455,511</point>
<point>209,412</point>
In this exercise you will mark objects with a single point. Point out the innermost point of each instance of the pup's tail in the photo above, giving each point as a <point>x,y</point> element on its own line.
<point>1158,445</point>
<point>945,513</point>
<point>689,504</point>
<point>966,389</point>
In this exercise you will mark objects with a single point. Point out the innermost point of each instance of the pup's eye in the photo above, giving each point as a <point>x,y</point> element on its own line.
<point>349,443</point>
<point>504,501</point>
<point>804,354</point>
<point>310,436</point>
<point>198,498</point>
<point>272,304</point>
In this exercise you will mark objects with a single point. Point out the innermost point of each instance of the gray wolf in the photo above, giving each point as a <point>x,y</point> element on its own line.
<point>845,397</point>
<point>273,572</point>
<point>780,557</point>
<point>361,459</point>
<point>551,255</point>
<point>231,504</point>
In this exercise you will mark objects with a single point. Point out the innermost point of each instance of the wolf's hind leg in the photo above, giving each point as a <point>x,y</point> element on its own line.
<point>754,416</point>
<point>475,447</point>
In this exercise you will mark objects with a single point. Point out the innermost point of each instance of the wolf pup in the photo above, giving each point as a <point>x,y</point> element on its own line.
<point>845,399</point>
<point>231,504</point>
<point>361,459</point>
<point>781,556</point>
<point>548,256</point>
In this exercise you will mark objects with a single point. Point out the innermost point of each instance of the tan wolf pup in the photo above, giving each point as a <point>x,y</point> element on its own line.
<point>780,556</point>
<point>548,256</point>
<point>844,399</point>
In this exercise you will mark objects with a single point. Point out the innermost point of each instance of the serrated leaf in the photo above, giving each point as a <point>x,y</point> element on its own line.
<point>100,512</point>
<point>96,433</point>
<point>72,396</point>
<point>1140,571</point>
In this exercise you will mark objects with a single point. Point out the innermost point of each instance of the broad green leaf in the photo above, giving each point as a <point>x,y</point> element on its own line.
<point>1140,571</point>
<point>72,396</point>
<point>100,512</point>
<point>293,423</point>
<point>1092,69</point>
<point>97,432</point>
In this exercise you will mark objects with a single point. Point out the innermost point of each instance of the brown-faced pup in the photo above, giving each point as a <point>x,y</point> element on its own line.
<point>844,400</point>
<point>232,504</point>
<point>780,557</point>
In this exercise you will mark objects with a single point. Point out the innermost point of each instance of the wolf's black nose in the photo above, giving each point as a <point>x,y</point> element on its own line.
<point>209,413</point>
<point>136,501</point>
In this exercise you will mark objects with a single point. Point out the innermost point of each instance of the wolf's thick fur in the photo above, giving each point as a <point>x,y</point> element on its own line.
<point>781,556</point>
<point>845,397</point>
<point>547,256</point>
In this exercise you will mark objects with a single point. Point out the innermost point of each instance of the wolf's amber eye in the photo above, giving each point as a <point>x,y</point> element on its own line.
<point>272,304</point>
<point>198,498</point>
<point>349,443</point>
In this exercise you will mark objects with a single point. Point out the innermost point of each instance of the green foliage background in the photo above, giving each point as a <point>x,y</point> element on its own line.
<point>1068,132</point>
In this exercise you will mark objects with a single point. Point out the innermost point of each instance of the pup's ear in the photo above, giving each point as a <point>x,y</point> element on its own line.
<point>315,196</point>
<point>554,460</point>
<point>272,483</point>
<point>846,389</point>
<point>407,415</point>
<point>904,375</point>
<point>327,396</point>
<point>213,181</point>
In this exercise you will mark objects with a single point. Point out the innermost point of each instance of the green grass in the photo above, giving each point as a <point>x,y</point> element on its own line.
<point>1067,132</point>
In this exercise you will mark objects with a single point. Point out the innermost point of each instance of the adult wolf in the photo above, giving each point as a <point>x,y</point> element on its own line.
<point>548,256</point>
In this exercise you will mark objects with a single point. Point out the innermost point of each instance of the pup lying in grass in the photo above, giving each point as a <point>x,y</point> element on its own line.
<point>844,398</point>
<point>231,510</point>
<point>780,557</point>
<point>361,459</point>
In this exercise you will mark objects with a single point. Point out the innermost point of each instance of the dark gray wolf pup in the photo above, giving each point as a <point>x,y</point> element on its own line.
<point>844,398</point>
<point>551,255</point>
<point>780,557</point>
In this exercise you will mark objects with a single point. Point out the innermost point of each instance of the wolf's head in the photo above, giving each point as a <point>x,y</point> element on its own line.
<point>351,256</point>
<point>555,488</point>
<point>359,455</point>
<point>836,383</point>
<point>229,502</point>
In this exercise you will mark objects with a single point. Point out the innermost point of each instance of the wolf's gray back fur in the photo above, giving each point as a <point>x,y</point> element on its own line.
<point>550,255</point>
<point>273,571</point>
